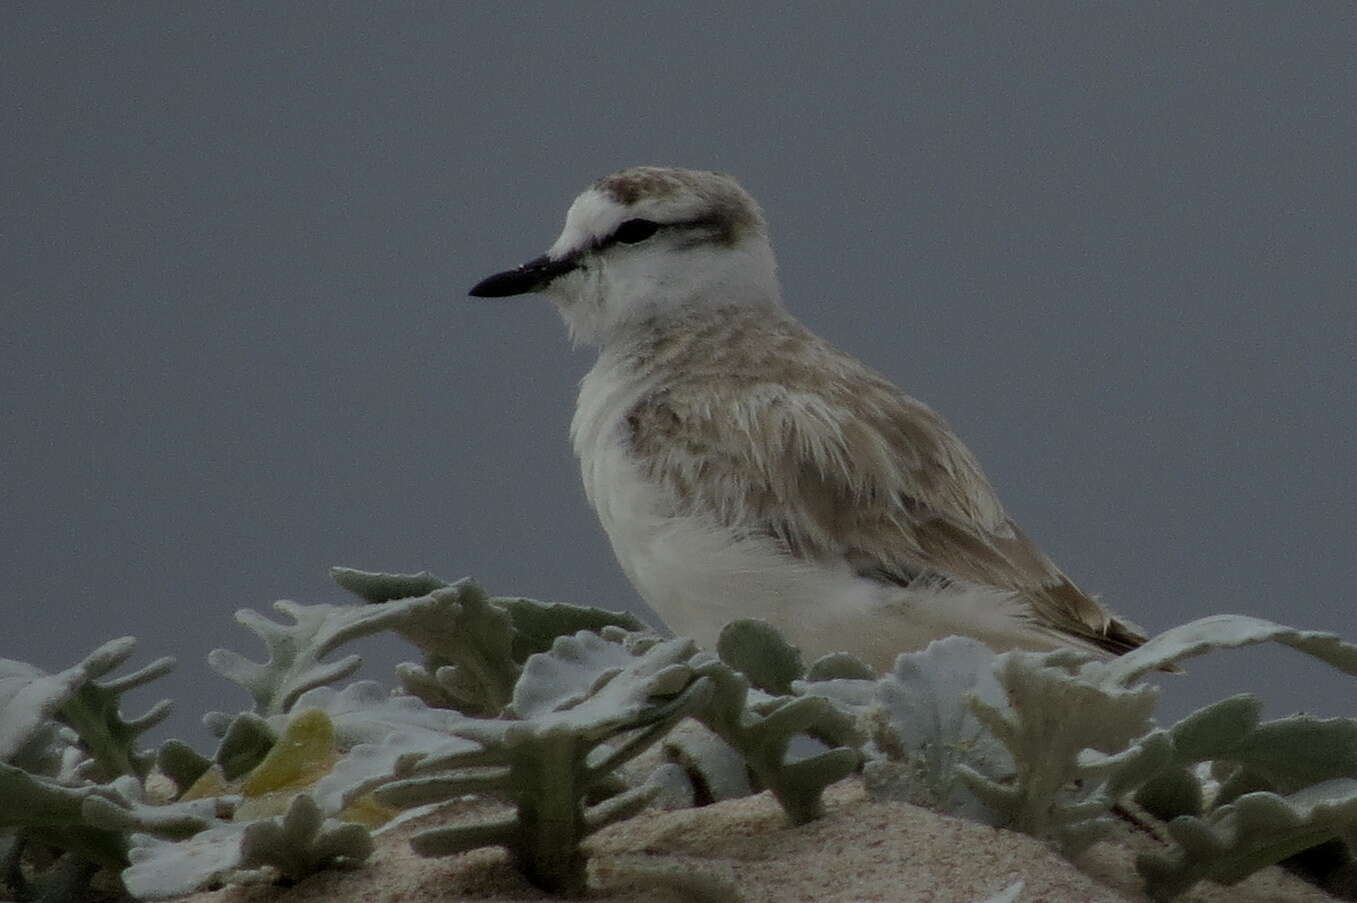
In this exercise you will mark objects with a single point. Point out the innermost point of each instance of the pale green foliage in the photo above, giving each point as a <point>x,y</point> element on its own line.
<point>472,659</point>
<point>758,651</point>
<point>64,741</point>
<point>162,868</point>
<point>42,810</point>
<point>1286,786</point>
<point>1077,731</point>
<point>33,704</point>
<point>1257,829</point>
<point>701,768</point>
<point>368,766</point>
<point>452,623</point>
<point>546,708</point>
<point>1019,740</point>
<point>1049,718</point>
<point>294,845</point>
<point>181,763</point>
<point>128,811</point>
<point>367,712</point>
<point>761,728</point>
<point>925,728</point>
<point>376,588</point>
<point>586,707</point>
<point>302,841</point>
<point>247,741</point>
<point>1217,632</point>
<point>746,739</point>
<point>538,624</point>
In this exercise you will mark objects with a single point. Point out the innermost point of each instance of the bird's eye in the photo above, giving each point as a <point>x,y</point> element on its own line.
<point>635,230</point>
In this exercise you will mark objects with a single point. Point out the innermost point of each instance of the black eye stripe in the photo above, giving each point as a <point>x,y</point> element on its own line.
<point>698,231</point>
<point>634,231</point>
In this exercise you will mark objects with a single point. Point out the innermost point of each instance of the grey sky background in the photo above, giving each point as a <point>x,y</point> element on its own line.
<point>1113,243</point>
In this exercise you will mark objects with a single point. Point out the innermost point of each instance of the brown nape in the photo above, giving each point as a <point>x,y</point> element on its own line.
<point>730,210</point>
<point>631,185</point>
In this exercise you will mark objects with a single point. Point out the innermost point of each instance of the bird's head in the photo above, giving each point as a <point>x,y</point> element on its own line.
<point>649,242</point>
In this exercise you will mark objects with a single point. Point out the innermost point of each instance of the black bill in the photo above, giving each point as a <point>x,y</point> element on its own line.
<point>529,277</point>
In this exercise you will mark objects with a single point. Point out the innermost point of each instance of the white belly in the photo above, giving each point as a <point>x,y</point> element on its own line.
<point>699,577</point>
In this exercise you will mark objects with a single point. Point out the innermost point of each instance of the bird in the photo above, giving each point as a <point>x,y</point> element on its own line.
<point>743,467</point>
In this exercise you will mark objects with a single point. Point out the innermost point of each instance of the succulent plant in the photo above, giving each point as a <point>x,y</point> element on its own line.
<point>292,845</point>
<point>546,710</point>
<point>1257,829</point>
<point>924,729</point>
<point>64,741</point>
<point>762,728</point>
<point>580,711</point>
<point>472,659</point>
<point>33,704</point>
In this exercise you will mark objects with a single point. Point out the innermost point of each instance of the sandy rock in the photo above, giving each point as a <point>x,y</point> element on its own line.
<point>860,852</point>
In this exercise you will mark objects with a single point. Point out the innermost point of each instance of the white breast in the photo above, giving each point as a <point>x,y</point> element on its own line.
<point>696,574</point>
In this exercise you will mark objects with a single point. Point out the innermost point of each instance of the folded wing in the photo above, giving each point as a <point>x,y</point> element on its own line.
<point>837,464</point>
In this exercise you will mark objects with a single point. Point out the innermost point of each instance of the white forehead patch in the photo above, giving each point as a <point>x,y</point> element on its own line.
<point>592,217</point>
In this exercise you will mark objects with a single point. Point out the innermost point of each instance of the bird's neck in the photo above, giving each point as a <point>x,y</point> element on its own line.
<point>696,340</point>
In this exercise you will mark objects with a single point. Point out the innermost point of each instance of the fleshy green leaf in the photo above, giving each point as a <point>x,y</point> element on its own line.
<point>467,641</point>
<point>1227,632</point>
<point>30,699</point>
<point>295,844</point>
<point>374,587</point>
<point>1052,712</point>
<point>575,668</point>
<point>161,869</point>
<point>305,753</point>
<point>181,763</point>
<point>589,705</point>
<point>247,741</point>
<point>758,651</point>
<point>763,732</point>
<point>47,811</point>
<point>1256,830</point>
<point>926,729</point>
<point>170,821</point>
<point>455,625</point>
<point>303,841</point>
<point>538,624</point>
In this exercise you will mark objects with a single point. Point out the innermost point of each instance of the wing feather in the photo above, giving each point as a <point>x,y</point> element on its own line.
<point>837,464</point>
